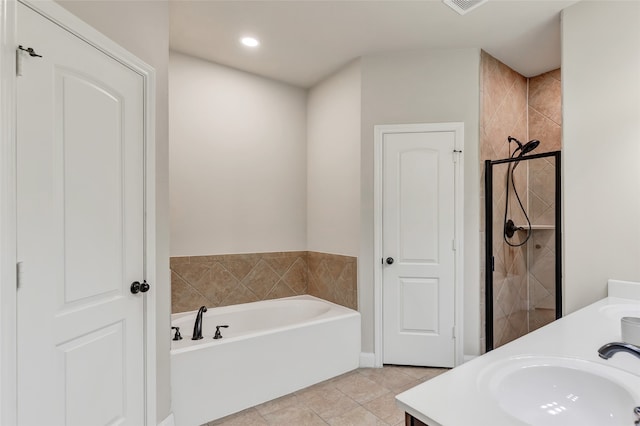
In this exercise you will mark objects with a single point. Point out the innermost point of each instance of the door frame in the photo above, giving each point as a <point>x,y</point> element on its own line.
<point>379,131</point>
<point>8,83</point>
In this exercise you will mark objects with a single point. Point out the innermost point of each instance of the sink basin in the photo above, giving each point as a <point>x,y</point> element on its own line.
<point>562,391</point>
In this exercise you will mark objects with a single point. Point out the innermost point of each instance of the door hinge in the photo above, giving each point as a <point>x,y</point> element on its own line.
<point>453,332</point>
<point>19,274</point>
<point>27,50</point>
<point>493,264</point>
<point>453,244</point>
<point>18,63</point>
<point>456,153</point>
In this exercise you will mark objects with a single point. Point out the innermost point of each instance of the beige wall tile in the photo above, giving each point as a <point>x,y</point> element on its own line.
<point>281,262</point>
<point>545,94</point>
<point>184,297</point>
<point>281,289</point>
<point>546,131</point>
<point>216,284</point>
<point>239,295</point>
<point>178,260</point>
<point>296,276</point>
<point>190,272</point>
<point>221,280</point>
<point>261,279</point>
<point>240,264</point>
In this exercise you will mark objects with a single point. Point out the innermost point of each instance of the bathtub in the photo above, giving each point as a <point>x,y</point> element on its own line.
<point>270,349</point>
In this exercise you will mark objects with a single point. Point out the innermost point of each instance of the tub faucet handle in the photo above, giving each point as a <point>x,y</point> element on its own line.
<point>218,335</point>
<point>177,336</point>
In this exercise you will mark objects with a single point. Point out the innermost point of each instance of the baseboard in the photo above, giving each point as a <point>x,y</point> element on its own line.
<point>168,421</point>
<point>367,360</point>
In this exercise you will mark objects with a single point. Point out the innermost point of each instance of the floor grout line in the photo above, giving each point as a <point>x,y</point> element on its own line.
<point>386,379</point>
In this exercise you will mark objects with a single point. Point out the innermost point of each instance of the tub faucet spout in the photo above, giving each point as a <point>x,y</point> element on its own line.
<point>197,327</point>
<point>608,350</point>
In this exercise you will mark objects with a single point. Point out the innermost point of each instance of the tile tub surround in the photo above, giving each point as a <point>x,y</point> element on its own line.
<point>334,278</point>
<point>229,279</point>
<point>360,398</point>
<point>575,336</point>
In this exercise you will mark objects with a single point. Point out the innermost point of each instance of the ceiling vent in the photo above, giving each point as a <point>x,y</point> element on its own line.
<point>463,6</point>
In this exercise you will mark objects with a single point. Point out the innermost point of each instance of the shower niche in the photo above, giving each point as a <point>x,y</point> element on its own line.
<point>523,280</point>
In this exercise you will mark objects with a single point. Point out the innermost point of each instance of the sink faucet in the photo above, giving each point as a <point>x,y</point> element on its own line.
<point>609,349</point>
<point>197,327</point>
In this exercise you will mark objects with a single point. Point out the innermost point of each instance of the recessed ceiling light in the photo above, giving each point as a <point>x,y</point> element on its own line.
<point>250,41</point>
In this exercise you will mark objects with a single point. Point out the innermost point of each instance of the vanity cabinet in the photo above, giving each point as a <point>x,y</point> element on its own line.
<point>409,420</point>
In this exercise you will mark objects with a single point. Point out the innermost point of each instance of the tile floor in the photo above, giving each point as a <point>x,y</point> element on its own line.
<point>362,397</point>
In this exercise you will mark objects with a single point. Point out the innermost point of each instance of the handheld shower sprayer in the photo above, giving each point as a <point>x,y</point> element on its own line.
<point>528,147</point>
<point>523,148</point>
<point>509,226</point>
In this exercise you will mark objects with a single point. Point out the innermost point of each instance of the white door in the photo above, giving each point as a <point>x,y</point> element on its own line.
<point>80,232</point>
<point>418,231</point>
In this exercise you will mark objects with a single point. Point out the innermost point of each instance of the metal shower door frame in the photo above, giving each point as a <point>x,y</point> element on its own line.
<point>489,263</point>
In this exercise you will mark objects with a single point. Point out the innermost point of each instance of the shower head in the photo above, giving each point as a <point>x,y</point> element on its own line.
<point>529,146</point>
<point>524,149</point>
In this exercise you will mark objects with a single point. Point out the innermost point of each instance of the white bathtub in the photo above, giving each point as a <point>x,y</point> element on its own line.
<point>270,349</point>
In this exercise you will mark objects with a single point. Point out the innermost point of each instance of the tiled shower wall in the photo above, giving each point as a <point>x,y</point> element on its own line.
<point>545,111</point>
<point>513,105</point>
<point>229,279</point>
<point>545,124</point>
<point>503,113</point>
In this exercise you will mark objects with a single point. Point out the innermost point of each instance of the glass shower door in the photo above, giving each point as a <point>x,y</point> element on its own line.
<point>523,246</point>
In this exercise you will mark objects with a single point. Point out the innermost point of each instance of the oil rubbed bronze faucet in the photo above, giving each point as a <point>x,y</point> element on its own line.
<point>218,335</point>
<point>197,327</point>
<point>608,350</point>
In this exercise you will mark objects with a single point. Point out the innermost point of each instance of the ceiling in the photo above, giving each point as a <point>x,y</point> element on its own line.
<point>304,41</point>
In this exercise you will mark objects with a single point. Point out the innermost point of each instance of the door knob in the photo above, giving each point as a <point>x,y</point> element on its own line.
<point>137,287</point>
<point>389,260</point>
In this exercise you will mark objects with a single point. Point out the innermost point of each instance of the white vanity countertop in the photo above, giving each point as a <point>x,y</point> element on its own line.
<point>461,396</point>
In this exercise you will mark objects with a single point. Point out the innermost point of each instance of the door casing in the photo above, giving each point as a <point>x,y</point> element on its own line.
<point>8,318</point>
<point>379,131</point>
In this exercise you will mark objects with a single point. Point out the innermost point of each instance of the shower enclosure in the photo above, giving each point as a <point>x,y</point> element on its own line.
<point>523,243</point>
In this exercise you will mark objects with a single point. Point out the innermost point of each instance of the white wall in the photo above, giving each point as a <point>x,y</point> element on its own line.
<point>237,160</point>
<point>333,163</point>
<point>424,86</point>
<point>601,147</point>
<point>142,27</point>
